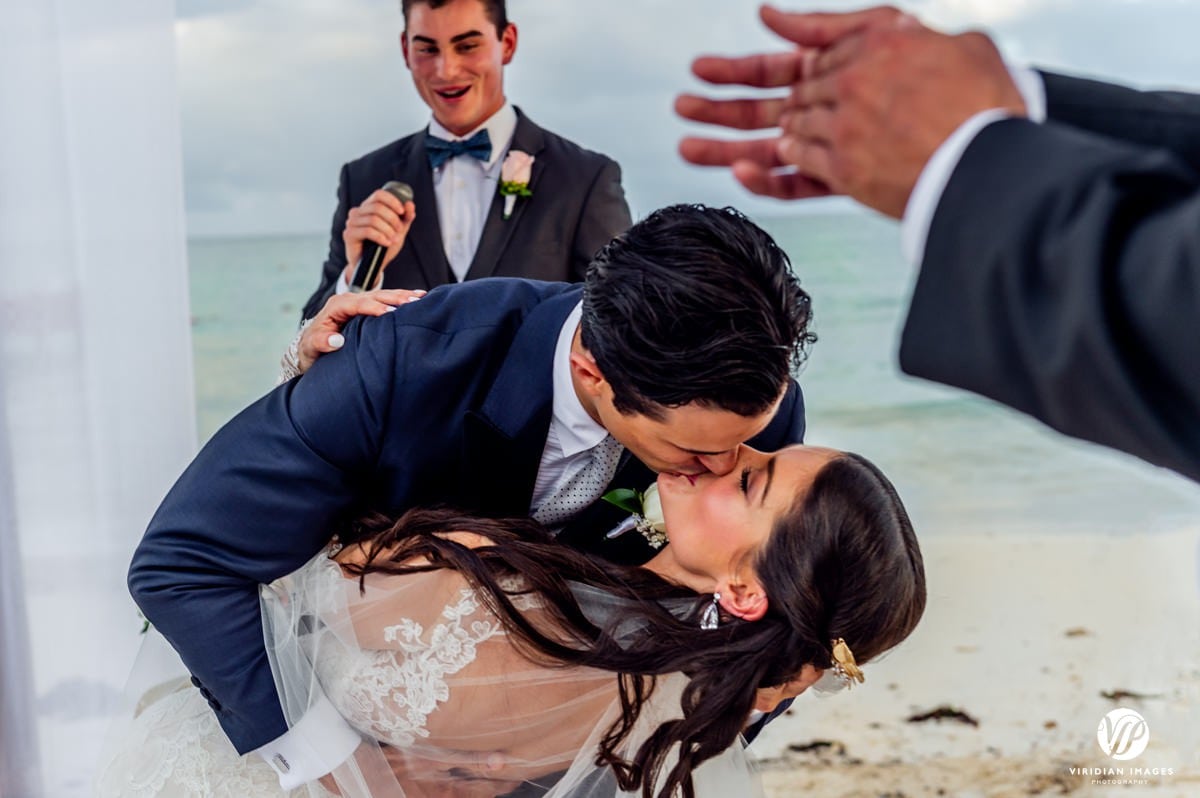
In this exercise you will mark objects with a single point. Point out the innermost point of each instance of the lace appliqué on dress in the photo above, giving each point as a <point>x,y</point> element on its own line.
<point>390,694</point>
<point>179,750</point>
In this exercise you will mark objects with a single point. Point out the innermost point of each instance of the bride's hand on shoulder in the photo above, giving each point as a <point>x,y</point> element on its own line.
<point>323,333</point>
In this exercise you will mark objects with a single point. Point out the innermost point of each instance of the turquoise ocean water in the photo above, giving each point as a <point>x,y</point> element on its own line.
<point>963,464</point>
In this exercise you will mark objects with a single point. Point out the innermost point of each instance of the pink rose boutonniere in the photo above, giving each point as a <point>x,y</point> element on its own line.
<point>514,178</point>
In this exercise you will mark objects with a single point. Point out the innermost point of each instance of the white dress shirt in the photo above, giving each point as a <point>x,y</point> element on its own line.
<point>464,188</point>
<point>322,739</point>
<point>927,193</point>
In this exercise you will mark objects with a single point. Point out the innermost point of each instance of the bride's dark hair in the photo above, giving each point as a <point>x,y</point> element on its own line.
<point>842,562</point>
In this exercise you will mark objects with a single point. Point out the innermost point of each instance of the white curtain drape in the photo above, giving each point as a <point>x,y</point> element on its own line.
<point>97,413</point>
<point>18,748</point>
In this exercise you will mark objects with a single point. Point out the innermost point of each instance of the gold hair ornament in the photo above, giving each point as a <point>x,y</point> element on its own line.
<point>844,666</point>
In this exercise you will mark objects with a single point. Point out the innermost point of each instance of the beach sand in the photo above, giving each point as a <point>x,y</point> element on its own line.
<point>1022,635</point>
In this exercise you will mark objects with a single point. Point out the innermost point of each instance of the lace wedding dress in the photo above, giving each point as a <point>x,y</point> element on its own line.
<point>419,663</point>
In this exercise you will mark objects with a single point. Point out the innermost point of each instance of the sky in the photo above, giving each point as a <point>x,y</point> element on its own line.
<point>277,94</point>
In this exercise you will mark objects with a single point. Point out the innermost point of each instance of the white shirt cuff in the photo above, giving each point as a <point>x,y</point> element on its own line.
<point>343,287</point>
<point>1033,91</point>
<point>918,213</point>
<point>317,744</point>
<point>923,202</point>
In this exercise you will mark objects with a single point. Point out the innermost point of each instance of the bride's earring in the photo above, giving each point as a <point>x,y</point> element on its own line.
<point>711,617</point>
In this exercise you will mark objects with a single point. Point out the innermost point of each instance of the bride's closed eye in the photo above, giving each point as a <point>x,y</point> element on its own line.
<point>744,484</point>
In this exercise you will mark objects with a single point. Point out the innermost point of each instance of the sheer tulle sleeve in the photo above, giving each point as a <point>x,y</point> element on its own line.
<point>446,702</point>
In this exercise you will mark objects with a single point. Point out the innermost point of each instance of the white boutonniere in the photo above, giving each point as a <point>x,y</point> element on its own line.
<point>647,515</point>
<point>514,178</point>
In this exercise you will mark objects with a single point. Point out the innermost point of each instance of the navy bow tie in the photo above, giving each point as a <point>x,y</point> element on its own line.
<point>439,150</point>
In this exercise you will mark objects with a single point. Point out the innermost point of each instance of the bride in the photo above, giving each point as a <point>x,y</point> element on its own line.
<point>479,658</point>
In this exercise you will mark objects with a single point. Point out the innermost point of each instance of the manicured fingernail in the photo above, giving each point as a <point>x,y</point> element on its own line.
<point>412,299</point>
<point>421,292</point>
<point>390,308</point>
<point>337,341</point>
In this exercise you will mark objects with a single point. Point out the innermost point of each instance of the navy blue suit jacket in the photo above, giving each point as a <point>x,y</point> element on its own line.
<point>445,401</point>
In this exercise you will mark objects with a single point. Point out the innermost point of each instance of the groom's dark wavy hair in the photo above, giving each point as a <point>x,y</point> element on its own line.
<point>841,562</point>
<point>695,304</point>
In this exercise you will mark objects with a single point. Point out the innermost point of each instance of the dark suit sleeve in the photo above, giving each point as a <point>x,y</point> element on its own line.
<point>261,499</point>
<point>605,214</point>
<point>1061,277</point>
<point>335,263</point>
<point>1159,119</point>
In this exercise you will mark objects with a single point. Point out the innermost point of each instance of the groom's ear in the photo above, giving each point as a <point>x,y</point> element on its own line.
<point>586,373</point>
<point>744,599</point>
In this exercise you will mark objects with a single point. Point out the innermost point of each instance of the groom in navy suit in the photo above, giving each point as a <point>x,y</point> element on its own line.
<point>456,51</point>
<point>501,397</point>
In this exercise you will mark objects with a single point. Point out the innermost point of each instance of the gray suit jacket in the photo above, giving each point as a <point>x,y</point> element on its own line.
<point>577,206</point>
<point>1061,275</point>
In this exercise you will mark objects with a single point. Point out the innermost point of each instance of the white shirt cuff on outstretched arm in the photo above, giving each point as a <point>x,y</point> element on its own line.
<point>343,285</point>
<point>918,214</point>
<point>1033,91</point>
<point>316,745</point>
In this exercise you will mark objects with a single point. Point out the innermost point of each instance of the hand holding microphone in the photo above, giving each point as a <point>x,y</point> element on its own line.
<point>374,233</point>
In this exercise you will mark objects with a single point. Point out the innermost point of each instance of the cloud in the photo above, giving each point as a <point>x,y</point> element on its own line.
<point>1141,42</point>
<point>277,95</point>
<point>190,9</point>
<point>986,13</point>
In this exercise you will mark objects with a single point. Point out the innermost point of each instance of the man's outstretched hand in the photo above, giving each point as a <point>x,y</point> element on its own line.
<point>871,96</point>
<point>755,162</point>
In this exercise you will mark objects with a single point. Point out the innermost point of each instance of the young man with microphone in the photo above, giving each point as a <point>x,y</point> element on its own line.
<point>499,196</point>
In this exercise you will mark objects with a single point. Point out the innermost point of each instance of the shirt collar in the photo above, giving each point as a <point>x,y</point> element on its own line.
<point>500,127</point>
<point>577,430</point>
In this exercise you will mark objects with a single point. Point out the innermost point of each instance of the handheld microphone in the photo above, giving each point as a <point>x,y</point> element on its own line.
<point>371,263</point>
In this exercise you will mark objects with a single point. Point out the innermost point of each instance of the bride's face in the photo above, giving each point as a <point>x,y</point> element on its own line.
<point>716,524</point>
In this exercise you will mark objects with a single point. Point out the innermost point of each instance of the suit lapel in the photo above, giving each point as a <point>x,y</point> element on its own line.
<point>425,238</point>
<point>504,438</point>
<point>499,470</point>
<point>498,231</point>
